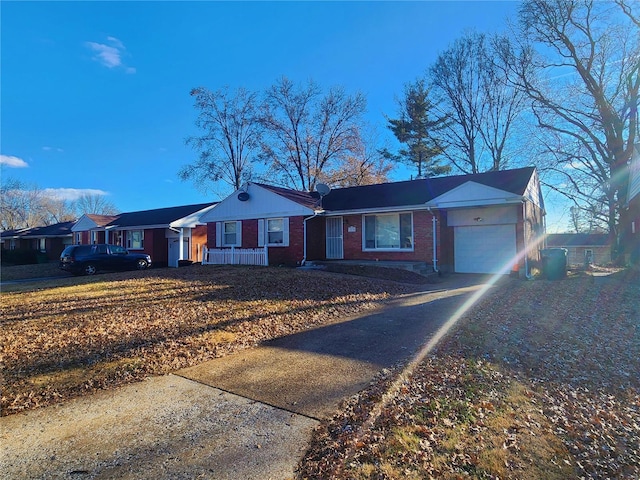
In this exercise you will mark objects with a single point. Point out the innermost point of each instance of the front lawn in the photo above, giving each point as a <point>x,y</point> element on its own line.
<point>71,336</point>
<point>540,380</point>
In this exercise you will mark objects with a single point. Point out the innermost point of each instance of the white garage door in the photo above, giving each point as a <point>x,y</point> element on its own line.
<point>485,249</point>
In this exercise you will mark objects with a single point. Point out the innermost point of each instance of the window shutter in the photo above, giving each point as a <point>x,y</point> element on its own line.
<point>261,232</point>
<point>285,232</point>
<point>239,233</point>
<point>218,234</point>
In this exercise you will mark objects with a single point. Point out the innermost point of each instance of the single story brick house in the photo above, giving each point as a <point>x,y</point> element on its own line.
<point>484,223</point>
<point>166,234</point>
<point>50,239</point>
<point>594,248</point>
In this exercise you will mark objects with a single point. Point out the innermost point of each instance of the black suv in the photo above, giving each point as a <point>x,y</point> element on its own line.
<point>88,259</point>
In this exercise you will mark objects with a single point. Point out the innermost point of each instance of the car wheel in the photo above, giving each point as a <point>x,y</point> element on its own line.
<point>89,269</point>
<point>142,264</point>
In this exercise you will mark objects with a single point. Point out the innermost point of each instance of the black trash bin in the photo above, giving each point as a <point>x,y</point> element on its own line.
<point>554,263</point>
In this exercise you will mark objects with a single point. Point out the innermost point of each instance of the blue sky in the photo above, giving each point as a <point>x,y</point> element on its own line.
<point>95,95</point>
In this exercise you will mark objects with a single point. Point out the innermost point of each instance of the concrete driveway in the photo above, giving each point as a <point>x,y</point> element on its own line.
<point>248,415</point>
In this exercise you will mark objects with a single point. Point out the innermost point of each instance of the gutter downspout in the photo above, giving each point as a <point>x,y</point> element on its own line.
<point>434,222</point>
<point>304,239</point>
<point>527,273</point>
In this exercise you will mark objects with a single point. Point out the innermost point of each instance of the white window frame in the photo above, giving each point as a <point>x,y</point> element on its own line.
<point>42,245</point>
<point>375,248</point>
<point>130,240</point>
<point>263,232</point>
<point>221,235</point>
<point>78,239</point>
<point>94,237</point>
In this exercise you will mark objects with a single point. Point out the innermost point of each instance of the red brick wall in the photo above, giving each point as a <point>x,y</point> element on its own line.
<point>422,238</point>
<point>291,255</point>
<point>316,239</point>
<point>198,240</point>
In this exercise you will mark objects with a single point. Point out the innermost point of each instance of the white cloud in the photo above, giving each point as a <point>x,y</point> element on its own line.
<point>52,149</point>
<point>13,162</point>
<point>72,193</point>
<point>110,54</point>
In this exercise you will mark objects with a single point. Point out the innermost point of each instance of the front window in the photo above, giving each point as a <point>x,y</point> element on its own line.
<point>230,233</point>
<point>388,232</point>
<point>42,244</point>
<point>78,239</point>
<point>275,231</point>
<point>135,239</point>
<point>94,236</point>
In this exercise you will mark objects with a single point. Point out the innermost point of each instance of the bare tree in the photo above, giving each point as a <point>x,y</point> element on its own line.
<point>230,137</point>
<point>96,204</point>
<point>21,205</point>
<point>469,86</point>
<point>584,82</point>
<point>365,166</point>
<point>417,127</point>
<point>308,132</point>
<point>25,206</point>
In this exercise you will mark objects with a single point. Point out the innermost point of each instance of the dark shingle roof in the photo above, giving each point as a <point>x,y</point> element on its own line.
<point>577,240</point>
<point>55,230</point>
<point>158,216</point>
<point>416,192</point>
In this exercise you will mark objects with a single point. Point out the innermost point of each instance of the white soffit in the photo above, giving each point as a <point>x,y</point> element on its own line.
<point>192,220</point>
<point>472,194</point>
<point>262,203</point>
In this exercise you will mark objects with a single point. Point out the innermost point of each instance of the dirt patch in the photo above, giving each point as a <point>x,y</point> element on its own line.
<point>540,380</point>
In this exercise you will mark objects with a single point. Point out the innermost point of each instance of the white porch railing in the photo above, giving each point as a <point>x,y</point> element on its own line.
<point>235,256</point>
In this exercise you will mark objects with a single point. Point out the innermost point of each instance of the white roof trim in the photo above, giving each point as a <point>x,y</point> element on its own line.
<point>193,219</point>
<point>473,194</point>
<point>84,224</point>
<point>367,211</point>
<point>277,206</point>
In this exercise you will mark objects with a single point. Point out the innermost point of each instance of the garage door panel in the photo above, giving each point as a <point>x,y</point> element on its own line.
<point>484,249</point>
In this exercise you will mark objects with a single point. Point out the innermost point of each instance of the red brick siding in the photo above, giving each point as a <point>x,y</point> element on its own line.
<point>422,238</point>
<point>291,255</point>
<point>198,240</point>
<point>316,239</point>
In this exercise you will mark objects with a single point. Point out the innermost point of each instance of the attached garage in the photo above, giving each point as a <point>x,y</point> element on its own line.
<point>484,239</point>
<point>484,249</point>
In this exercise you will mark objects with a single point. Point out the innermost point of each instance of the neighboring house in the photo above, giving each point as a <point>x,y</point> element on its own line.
<point>583,248</point>
<point>50,239</point>
<point>479,223</point>
<point>167,234</point>
<point>630,215</point>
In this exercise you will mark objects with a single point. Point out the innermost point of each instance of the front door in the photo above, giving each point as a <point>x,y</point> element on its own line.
<point>174,250</point>
<point>334,238</point>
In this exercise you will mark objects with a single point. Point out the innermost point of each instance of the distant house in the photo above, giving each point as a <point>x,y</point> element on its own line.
<point>630,215</point>
<point>49,240</point>
<point>484,223</point>
<point>594,248</point>
<point>167,234</point>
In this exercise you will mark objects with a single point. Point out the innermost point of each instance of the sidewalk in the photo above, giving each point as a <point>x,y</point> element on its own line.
<point>248,415</point>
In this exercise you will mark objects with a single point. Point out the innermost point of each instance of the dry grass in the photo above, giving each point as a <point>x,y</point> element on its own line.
<point>21,272</point>
<point>541,380</point>
<point>68,337</point>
